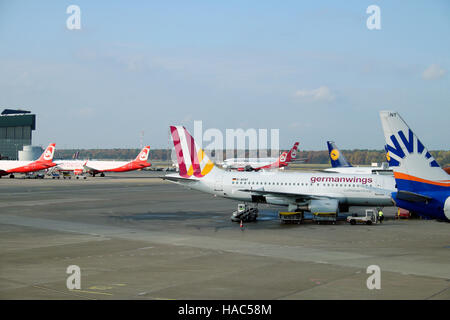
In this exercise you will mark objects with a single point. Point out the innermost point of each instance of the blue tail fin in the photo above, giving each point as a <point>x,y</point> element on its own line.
<point>408,157</point>
<point>422,185</point>
<point>336,157</point>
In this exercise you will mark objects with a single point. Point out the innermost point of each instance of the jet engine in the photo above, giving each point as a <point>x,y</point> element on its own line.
<point>322,206</point>
<point>447,208</point>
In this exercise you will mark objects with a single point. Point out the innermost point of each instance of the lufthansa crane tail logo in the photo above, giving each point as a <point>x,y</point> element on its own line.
<point>334,154</point>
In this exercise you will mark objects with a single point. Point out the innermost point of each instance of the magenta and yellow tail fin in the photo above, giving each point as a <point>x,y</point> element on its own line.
<point>192,160</point>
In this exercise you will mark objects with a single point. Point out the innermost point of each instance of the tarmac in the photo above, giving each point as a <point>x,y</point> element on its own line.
<point>135,236</point>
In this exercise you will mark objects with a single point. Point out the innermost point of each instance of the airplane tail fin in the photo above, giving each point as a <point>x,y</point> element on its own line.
<point>192,161</point>
<point>414,167</point>
<point>282,159</point>
<point>336,157</point>
<point>292,154</point>
<point>143,155</point>
<point>47,155</point>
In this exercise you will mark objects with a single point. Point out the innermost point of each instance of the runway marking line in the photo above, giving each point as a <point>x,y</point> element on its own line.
<point>94,292</point>
<point>100,288</point>
<point>59,291</point>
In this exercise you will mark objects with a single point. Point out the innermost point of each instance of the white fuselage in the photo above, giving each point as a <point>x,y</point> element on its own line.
<point>359,170</point>
<point>357,190</point>
<point>244,162</point>
<point>6,165</point>
<point>71,165</point>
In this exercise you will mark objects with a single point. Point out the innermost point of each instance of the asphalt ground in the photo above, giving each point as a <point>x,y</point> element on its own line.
<point>135,236</point>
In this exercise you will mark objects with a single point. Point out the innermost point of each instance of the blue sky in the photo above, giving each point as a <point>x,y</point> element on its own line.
<point>313,70</point>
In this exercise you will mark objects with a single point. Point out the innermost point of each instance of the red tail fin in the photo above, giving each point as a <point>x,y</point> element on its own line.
<point>292,154</point>
<point>283,157</point>
<point>143,155</point>
<point>47,155</point>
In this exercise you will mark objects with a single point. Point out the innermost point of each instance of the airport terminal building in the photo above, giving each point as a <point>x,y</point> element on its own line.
<point>16,128</point>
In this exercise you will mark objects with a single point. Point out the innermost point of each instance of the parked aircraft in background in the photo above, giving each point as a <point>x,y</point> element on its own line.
<point>422,186</point>
<point>256,164</point>
<point>314,192</point>
<point>45,161</point>
<point>340,164</point>
<point>94,167</point>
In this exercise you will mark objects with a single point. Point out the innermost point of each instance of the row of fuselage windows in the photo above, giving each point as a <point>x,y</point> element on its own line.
<point>299,184</point>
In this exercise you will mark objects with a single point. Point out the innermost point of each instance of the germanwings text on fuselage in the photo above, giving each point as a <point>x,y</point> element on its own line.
<point>341,179</point>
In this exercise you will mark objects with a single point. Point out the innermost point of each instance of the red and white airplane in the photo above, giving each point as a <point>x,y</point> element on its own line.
<point>256,164</point>
<point>45,161</point>
<point>94,167</point>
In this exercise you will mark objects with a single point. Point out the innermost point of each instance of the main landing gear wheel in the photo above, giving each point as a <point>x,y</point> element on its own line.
<point>11,176</point>
<point>102,174</point>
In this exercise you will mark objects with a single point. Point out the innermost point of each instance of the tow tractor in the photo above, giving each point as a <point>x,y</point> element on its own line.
<point>369,218</point>
<point>244,213</point>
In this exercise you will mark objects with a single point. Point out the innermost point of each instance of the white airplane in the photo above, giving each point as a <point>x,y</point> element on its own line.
<point>45,161</point>
<point>340,164</point>
<point>314,192</point>
<point>256,164</point>
<point>94,167</point>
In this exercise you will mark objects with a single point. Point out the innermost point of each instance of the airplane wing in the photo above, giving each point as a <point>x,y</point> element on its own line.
<point>90,169</point>
<point>412,197</point>
<point>297,196</point>
<point>177,179</point>
<point>387,192</point>
<point>402,195</point>
<point>300,160</point>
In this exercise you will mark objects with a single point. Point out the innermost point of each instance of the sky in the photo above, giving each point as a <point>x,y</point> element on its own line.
<point>313,70</point>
